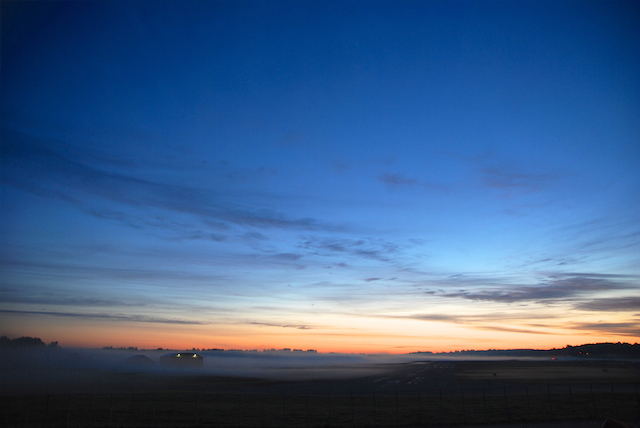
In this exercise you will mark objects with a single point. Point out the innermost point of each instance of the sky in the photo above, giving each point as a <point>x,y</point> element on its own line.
<point>375,177</point>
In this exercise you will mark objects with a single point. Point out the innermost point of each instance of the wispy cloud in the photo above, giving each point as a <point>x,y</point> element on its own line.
<point>511,179</point>
<point>511,329</point>
<point>430,317</point>
<point>497,178</point>
<point>630,303</point>
<point>484,321</point>
<point>474,319</point>
<point>82,271</point>
<point>56,299</point>
<point>110,317</point>
<point>287,256</point>
<point>377,249</point>
<point>34,166</point>
<point>618,328</point>
<point>557,287</point>
<point>296,326</point>
<point>341,167</point>
<point>395,180</point>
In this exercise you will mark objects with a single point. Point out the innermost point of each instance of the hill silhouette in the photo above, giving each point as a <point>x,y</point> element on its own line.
<point>591,350</point>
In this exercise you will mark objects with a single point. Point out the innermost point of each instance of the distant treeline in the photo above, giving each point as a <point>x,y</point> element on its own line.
<point>25,342</point>
<point>283,350</point>
<point>600,350</point>
<point>130,348</point>
<point>592,350</point>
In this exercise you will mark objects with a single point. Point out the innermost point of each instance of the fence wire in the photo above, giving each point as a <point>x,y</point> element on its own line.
<point>419,408</point>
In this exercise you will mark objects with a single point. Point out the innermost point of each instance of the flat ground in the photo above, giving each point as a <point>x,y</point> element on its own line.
<point>553,372</point>
<point>361,378</point>
<point>492,394</point>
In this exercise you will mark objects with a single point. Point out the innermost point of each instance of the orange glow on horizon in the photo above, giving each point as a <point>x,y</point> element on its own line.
<point>102,336</point>
<point>352,337</point>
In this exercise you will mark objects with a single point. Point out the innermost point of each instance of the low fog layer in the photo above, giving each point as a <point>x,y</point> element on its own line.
<point>29,370</point>
<point>52,370</point>
<point>272,364</point>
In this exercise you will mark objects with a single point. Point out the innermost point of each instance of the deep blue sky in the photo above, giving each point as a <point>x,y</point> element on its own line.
<point>366,176</point>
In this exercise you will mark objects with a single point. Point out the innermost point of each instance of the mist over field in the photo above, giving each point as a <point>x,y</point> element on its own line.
<point>216,363</point>
<point>129,387</point>
<point>276,365</point>
<point>31,370</point>
<point>34,370</point>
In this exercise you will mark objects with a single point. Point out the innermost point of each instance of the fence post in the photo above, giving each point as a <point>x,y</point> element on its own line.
<point>615,402</point>
<point>484,402</point>
<point>375,417</point>
<point>506,404</point>
<point>419,410</point>
<point>110,409</point>
<point>329,399</point>
<point>464,417</point>
<point>90,403</point>
<point>635,386</point>
<point>573,407</point>
<point>593,401</point>
<point>46,412</point>
<point>68,411</point>
<point>526,390</point>
<point>352,419</point>
<point>284,411</point>
<point>397,411</point>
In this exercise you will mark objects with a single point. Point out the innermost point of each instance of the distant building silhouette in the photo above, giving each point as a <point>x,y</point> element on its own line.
<point>140,360</point>
<point>182,359</point>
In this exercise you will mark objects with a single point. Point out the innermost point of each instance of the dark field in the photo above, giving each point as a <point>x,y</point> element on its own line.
<point>419,393</point>
<point>549,371</point>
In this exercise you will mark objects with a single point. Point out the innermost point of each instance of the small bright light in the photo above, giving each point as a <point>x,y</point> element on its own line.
<point>194,355</point>
<point>178,355</point>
